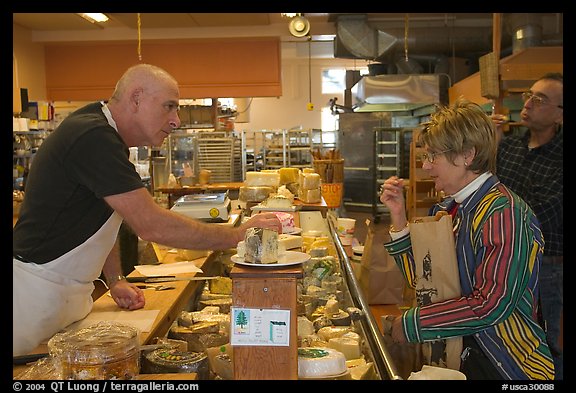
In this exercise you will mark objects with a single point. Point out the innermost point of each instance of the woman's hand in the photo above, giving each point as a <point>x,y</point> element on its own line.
<point>127,295</point>
<point>397,331</point>
<point>392,195</point>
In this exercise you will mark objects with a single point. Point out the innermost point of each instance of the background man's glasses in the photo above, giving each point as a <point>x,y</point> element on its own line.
<point>536,100</point>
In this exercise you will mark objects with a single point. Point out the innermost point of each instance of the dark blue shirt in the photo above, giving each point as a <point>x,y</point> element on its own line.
<point>537,175</point>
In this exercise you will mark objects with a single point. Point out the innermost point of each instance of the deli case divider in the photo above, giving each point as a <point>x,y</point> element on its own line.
<point>382,358</point>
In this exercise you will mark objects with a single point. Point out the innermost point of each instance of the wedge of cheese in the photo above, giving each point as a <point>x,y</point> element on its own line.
<point>261,246</point>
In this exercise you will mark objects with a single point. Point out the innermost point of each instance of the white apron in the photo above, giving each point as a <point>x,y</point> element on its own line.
<point>48,297</point>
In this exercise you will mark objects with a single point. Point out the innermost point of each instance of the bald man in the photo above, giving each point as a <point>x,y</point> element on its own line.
<point>80,188</point>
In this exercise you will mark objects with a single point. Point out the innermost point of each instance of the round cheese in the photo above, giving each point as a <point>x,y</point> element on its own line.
<point>320,362</point>
<point>162,361</point>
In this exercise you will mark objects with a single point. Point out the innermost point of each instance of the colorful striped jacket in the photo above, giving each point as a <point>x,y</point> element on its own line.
<point>499,247</point>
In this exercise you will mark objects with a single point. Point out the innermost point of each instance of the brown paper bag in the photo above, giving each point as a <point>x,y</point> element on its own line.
<point>437,279</point>
<point>380,279</point>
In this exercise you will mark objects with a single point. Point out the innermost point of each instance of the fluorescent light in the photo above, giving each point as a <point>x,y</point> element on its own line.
<point>94,17</point>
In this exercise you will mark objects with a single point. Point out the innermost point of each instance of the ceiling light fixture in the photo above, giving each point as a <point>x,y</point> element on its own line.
<point>299,26</point>
<point>94,17</point>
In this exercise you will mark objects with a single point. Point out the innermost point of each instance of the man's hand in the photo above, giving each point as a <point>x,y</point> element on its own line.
<point>263,220</point>
<point>127,295</point>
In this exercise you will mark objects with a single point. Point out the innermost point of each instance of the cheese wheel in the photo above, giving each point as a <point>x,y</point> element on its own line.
<point>320,362</point>
<point>161,361</point>
<point>254,193</point>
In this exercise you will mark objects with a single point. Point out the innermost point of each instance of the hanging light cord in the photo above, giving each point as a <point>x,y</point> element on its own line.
<point>309,69</point>
<point>406,37</point>
<point>139,38</point>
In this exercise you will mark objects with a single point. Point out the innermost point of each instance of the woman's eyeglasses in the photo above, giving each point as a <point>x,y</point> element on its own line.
<point>537,100</point>
<point>431,156</point>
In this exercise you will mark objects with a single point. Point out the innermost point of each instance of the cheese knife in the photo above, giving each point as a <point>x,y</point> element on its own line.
<point>153,279</point>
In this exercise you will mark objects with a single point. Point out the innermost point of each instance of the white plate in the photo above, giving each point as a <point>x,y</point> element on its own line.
<point>287,259</point>
<point>294,231</point>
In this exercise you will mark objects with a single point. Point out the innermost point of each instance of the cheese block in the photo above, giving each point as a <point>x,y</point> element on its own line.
<point>352,335</point>
<point>332,283</point>
<point>241,249</point>
<point>223,304</point>
<point>309,181</point>
<point>221,285</point>
<point>163,360</point>
<point>277,201</point>
<point>220,360</point>
<point>355,313</point>
<point>360,369</point>
<point>310,195</point>
<point>320,362</point>
<point>349,347</point>
<point>207,295</point>
<point>285,191</point>
<point>328,332</point>
<point>288,175</point>
<point>261,246</point>
<point>331,307</point>
<point>321,322</point>
<point>318,252</point>
<point>198,342</point>
<point>287,221</point>
<point>293,188</point>
<point>262,179</point>
<point>289,242</point>
<point>315,291</point>
<point>254,193</point>
<point>305,327</point>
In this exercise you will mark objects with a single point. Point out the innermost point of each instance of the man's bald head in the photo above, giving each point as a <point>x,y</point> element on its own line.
<point>144,76</point>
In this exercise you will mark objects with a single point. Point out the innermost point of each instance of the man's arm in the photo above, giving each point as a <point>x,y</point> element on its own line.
<point>154,223</point>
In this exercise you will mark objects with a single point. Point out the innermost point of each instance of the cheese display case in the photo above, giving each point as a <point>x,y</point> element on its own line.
<point>337,336</point>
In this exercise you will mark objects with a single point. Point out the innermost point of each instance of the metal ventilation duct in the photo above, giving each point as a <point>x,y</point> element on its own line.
<point>362,40</point>
<point>357,37</point>
<point>396,92</point>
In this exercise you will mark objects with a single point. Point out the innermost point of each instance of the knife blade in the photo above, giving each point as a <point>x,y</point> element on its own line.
<point>153,279</point>
<point>25,359</point>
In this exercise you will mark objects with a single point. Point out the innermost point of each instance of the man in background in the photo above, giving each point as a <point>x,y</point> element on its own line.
<point>531,164</point>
